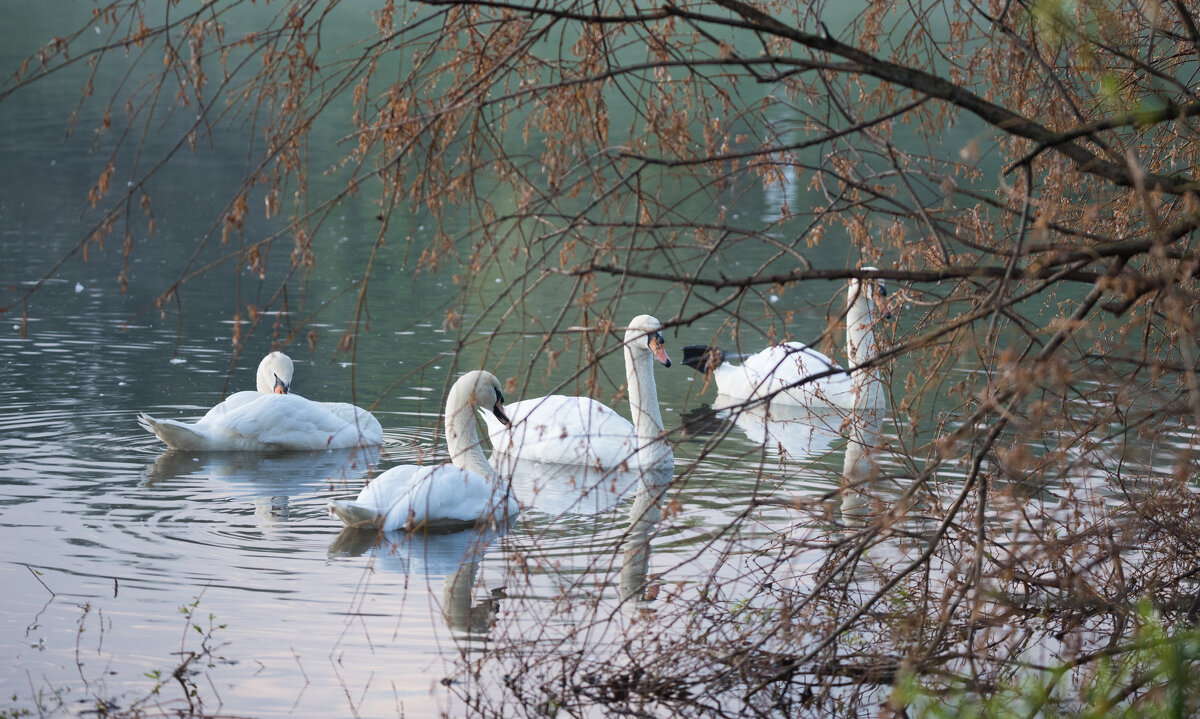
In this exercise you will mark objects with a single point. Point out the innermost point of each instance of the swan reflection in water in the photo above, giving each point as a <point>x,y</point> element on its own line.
<point>860,472</point>
<point>644,515</point>
<point>860,469</point>
<point>788,430</point>
<point>267,480</point>
<point>453,555</point>
<point>795,433</point>
<point>566,489</point>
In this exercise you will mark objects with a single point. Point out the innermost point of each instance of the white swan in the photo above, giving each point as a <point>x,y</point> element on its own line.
<point>558,429</point>
<point>270,420</point>
<point>464,492</point>
<point>778,373</point>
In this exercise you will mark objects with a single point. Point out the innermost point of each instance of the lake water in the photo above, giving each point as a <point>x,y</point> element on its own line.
<point>107,535</point>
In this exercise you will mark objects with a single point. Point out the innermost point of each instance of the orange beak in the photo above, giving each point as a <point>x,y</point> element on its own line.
<point>659,348</point>
<point>881,301</point>
<point>498,410</point>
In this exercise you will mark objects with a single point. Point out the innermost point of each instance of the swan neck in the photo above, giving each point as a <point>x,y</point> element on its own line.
<point>860,338</point>
<point>643,396</point>
<point>462,436</point>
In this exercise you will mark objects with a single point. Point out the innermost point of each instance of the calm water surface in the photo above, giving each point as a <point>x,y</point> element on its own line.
<point>108,535</point>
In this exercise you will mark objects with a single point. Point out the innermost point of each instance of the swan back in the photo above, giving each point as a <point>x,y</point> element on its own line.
<point>274,374</point>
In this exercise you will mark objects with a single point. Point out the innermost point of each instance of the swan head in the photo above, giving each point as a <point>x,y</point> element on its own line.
<point>479,389</point>
<point>644,334</point>
<point>275,374</point>
<point>871,291</point>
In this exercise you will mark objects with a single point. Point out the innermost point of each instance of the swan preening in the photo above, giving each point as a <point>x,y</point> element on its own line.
<point>270,419</point>
<point>466,491</point>
<point>558,429</point>
<point>795,373</point>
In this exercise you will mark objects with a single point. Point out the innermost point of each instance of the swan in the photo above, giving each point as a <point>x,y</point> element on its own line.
<point>271,419</point>
<point>776,373</point>
<point>466,491</point>
<point>558,429</point>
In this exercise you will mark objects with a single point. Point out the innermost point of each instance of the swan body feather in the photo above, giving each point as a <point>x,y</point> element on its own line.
<point>779,372</point>
<point>559,429</point>
<point>438,496</point>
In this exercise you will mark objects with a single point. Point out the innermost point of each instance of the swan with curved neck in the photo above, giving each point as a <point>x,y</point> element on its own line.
<point>560,429</point>
<point>274,374</point>
<point>794,373</point>
<point>271,419</point>
<point>466,491</point>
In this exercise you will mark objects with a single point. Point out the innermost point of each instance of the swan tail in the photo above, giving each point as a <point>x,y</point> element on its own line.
<point>175,434</point>
<point>356,515</point>
<point>703,358</point>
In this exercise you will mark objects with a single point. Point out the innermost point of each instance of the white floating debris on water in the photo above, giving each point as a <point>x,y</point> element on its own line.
<point>774,298</point>
<point>177,360</point>
<point>78,287</point>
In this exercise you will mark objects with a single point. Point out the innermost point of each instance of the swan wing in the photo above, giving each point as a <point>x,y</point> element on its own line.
<point>565,430</point>
<point>386,489</point>
<point>276,422</point>
<point>437,496</point>
<point>780,372</point>
<point>362,423</point>
<point>790,362</point>
<point>205,434</point>
<point>370,508</point>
